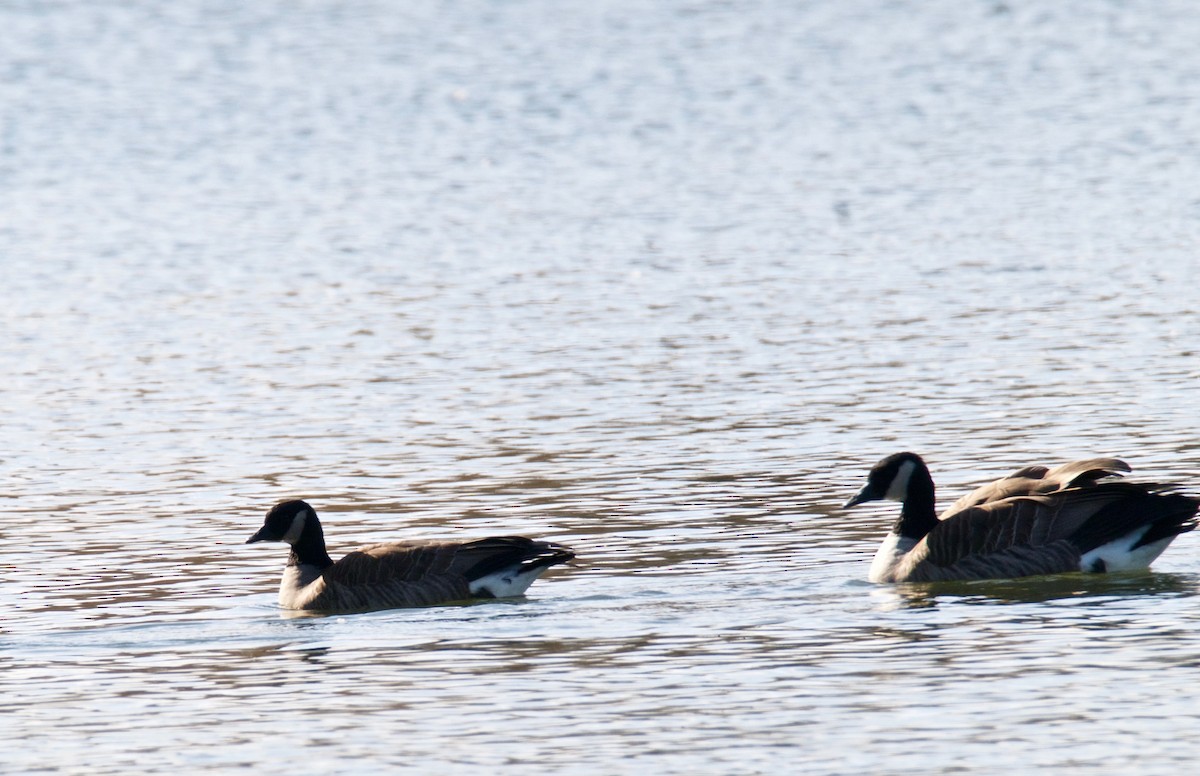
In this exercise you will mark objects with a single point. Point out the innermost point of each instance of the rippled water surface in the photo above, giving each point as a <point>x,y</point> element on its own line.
<point>659,281</point>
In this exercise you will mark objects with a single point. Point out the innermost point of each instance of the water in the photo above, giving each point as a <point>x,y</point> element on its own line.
<point>658,281</point>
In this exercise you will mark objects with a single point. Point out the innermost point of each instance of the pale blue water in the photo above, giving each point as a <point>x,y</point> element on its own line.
<point>659,281</point>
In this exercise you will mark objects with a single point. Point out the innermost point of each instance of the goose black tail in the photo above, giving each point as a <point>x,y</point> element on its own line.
<point>1167,514</point>
<point>515,552</point>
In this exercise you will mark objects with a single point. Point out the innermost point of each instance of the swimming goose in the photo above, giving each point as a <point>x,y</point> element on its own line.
<point>384,576</point>
<point>1036,521</point>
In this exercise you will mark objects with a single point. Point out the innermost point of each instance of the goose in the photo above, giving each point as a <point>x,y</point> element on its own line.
<point>1035,521</point>
<point>399,574</point>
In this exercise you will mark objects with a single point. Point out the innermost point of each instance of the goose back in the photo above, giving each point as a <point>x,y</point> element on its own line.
<point>1034,480</point>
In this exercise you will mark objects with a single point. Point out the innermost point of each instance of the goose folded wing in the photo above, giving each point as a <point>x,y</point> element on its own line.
<point>1023,482</point>
<point>497,553</point>
<point>1083,473</point>
<point>388,575</point>
<point>398,561</point>
<point>1025,521</point>
<point>1035,480</point>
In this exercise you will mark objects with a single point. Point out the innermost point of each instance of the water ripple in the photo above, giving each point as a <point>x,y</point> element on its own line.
<point>660,283</point>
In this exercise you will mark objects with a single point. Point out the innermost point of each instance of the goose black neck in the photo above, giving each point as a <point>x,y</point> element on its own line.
<point>309,549</point>
<point>918,515</point>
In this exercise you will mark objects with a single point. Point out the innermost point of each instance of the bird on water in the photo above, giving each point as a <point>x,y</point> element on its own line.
<point>1037,520</point>
<point>399,574</point>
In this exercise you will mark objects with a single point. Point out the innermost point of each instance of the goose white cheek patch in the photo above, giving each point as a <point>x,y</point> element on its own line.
<point>296,528</point>
<point>899,487</point>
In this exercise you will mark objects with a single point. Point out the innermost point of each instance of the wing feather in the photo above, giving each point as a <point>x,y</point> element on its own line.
<point>1035,480</point>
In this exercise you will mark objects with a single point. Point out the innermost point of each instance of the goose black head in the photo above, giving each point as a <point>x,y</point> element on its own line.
<point>284,523</point>
<point>889,479</point>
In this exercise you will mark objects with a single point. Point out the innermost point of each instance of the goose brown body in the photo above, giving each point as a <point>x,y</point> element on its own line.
<point>1036,521</point>
<point>399,574</point>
